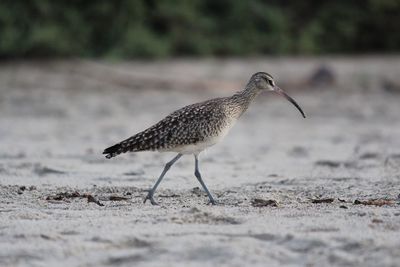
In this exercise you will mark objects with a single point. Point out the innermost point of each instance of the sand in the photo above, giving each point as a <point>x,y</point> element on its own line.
<point>321,191</point>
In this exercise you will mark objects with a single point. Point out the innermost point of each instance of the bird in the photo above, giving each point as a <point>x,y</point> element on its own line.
<point>194,128</point>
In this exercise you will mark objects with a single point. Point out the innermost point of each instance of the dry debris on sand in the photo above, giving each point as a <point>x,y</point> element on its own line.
<point>321,191</point>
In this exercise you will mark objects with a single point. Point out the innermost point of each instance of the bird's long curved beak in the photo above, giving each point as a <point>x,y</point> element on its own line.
<point>291,100</point>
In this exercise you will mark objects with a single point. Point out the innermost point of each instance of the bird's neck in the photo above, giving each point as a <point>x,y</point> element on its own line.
<point>242,99</point>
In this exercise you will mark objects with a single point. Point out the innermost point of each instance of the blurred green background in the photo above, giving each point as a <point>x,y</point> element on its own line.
<point>168,28</point>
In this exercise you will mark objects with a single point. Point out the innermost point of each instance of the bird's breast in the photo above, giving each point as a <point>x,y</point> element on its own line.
<point>208,140</point>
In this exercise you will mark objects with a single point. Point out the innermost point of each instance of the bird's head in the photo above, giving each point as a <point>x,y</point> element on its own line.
<point>265,82</point>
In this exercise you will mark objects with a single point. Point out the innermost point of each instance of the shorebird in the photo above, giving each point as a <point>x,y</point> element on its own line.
<point>193,128</point>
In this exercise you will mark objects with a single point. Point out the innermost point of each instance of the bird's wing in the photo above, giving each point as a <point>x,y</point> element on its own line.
<point>187,125</point>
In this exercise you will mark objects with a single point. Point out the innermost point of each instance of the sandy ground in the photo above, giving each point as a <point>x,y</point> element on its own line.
<point>57,117</point>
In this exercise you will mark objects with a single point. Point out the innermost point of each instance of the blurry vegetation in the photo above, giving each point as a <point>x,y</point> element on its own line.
<point>163,28</point>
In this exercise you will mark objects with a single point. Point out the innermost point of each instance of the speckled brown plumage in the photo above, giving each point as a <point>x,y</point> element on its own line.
<point>190,125</point>
<point>194,128</point>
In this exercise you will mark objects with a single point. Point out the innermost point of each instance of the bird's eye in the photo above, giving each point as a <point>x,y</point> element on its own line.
<point>271,82</point>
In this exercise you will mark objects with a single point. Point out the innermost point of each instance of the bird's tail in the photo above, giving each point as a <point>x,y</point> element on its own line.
<point>146,140</point>
<point>113,151</point>
<point>129,144</point>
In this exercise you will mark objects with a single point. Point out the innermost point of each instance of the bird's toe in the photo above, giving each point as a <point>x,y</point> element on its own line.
<point>152,201</point>
<point>212,202</point>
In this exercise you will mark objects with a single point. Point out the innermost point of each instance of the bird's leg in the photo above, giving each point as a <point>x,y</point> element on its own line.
<point>153,189</point>
<point>198,176</point>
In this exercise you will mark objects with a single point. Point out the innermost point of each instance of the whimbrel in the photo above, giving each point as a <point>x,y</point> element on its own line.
<point>193,128</point>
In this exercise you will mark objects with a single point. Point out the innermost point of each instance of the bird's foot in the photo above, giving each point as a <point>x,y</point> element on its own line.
<point>150,197</point>
<point>212,202</point>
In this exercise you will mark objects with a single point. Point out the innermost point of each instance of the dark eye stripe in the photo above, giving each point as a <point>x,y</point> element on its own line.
<point>270,82</point>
